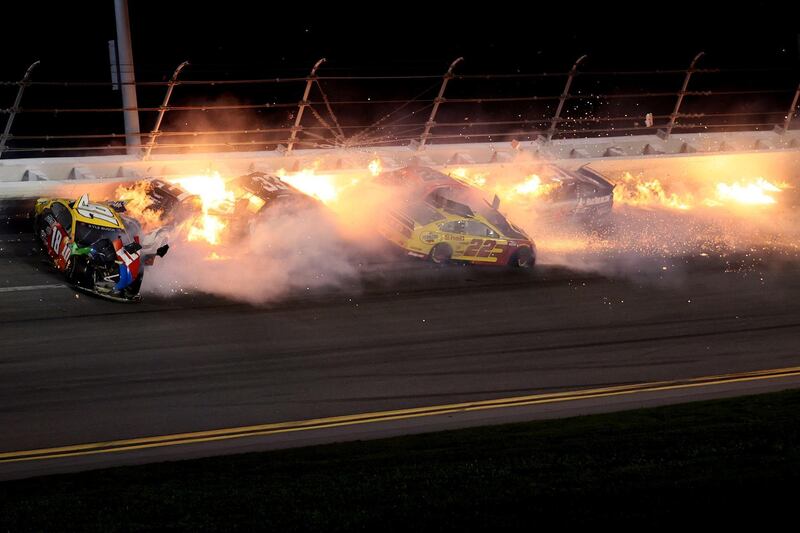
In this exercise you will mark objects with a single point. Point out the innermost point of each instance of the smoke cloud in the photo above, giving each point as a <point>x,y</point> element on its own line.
<point>665,215</point>
<point>285,252</point>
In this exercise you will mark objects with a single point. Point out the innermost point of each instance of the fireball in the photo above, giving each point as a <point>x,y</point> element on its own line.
<point>477,179</point>
<point>375,167</point>
<point>321,186</point>
<point>138,203</point>
<point>637,191</point>
<point>215,198</point>
<point>534,187</point>
<point>757,192</point>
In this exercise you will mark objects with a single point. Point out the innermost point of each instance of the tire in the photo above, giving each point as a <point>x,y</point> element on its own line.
<point>523,258</point>
<point>441,253</point>
<point>79,273</point>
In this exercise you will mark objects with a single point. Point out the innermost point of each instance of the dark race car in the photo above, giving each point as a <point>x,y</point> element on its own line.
<point>171,201</point>
<point>254,194</point>
<point>259,191</point>
<point>583,195</point>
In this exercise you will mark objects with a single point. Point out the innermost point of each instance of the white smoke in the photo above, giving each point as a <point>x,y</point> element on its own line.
<point>285,252</point>
<point>294,251</point>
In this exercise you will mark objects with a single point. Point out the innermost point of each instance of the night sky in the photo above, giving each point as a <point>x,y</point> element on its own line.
<point>237,40</point>
<point>237,37</point>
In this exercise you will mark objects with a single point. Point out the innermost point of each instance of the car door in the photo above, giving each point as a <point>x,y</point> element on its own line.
<point>454,233</point>
<point>484,244</point>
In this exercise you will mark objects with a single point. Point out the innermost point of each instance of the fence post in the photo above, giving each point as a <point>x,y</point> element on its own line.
<point>563,98</point>
<point>792,110</point>
<point>302,105</point>
<point>436,103</point>
<point>674,116</point>
<point>163,109</point>
<point>22,84</point>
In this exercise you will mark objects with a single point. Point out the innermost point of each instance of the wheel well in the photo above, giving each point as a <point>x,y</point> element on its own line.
<point>441,246</point>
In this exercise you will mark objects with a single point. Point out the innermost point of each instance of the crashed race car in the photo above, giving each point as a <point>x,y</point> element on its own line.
<point>442,219</point>
<point>583,194</point>
<point>253,195</point>
<point>170,201</point>
<point>257,192</point>
<point>94,245</point>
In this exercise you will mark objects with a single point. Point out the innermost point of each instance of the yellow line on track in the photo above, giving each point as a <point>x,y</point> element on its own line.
<point>385,416</point>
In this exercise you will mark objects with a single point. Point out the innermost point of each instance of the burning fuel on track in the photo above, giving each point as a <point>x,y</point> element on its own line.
<point>712,210</point>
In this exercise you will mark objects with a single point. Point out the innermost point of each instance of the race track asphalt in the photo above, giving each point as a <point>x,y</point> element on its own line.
<point>76,369</point>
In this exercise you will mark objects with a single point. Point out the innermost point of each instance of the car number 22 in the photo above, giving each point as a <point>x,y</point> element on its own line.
<point>483,248</point>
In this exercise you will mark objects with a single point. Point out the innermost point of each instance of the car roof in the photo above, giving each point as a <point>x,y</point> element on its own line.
<point>415,177</point>
<point>79,213</point>
<point>423,213</point>
<point>426,182</point>
<point>252,183</point>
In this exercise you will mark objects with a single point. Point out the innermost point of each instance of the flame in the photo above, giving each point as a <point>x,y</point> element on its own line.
<point>754,193</point>
<point>477,179</point>
<point>327,188</point>
<point>215,198</point>
<point>138,204</point>
<point>375,167</point>
<point>320,186</point>
<point>638,191</point>
<point>533,187</point>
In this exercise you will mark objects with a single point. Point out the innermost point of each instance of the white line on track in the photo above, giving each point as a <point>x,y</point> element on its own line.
<point>32,288</point>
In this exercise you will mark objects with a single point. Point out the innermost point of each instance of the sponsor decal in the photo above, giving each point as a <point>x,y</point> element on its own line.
<point>429,237</point>
<point>598,200</point>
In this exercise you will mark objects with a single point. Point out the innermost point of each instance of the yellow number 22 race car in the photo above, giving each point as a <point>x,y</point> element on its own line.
<point>437,217</point>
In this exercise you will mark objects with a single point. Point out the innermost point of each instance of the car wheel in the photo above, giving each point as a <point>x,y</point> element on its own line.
<point>79,272</point>
<point>441,253</point>
<point>523,258</point>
